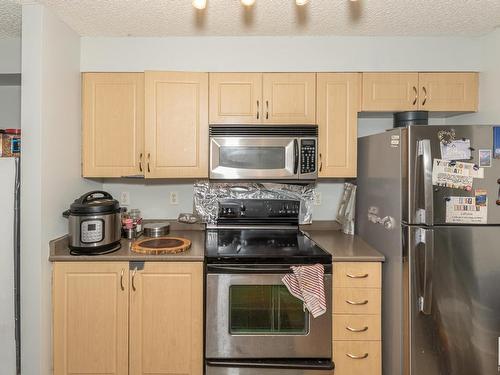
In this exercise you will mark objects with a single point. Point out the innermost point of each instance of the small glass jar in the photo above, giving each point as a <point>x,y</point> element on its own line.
<point>135,215</point>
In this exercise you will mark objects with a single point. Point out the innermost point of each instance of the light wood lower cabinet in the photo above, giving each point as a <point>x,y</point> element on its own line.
<point>94,333</point>
<point>166,319</point>
<point>357,337</point>
<point>90,318</point>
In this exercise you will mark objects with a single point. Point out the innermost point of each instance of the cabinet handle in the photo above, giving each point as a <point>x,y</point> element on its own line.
<point>353,356</point>
<point>133,278</point>
<point>122,287</point>
<point>355,303</point>
<point>425,95</point>
<point>140,162</point>
<point>267,109</point>
<point>364,329</point>
<point>258,109</point>
<point>363,276</point>
<point>320,162</point>
<point>416,95</point>
<point>149,157</point>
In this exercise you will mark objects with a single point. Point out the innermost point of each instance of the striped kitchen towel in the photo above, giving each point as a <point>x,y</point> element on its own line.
<point>306,283</point>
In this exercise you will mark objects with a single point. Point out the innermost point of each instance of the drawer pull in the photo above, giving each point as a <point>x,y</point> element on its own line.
<point>363,276</point>
<point>356,303</point>
<point>364,329</point>
<point>352,356</point>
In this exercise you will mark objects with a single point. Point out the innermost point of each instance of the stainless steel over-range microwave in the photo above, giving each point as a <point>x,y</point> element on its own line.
<point>257,152</point>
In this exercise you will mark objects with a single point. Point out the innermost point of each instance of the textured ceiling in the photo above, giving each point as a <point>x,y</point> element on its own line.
<point>10,18</point>
<point>267,17</point>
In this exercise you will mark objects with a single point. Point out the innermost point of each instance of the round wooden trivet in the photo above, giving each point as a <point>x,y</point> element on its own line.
<point>161,245</point>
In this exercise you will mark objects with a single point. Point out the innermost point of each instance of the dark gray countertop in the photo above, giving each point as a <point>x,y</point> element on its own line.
<point>59,251</point>
<point>343,247</point>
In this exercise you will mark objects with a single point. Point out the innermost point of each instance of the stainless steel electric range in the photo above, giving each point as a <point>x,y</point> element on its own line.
<point>253,324</point>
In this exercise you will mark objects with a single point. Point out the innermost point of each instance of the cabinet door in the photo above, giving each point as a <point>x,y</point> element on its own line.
<point>448,92</point>
<point>112,124</point>
<point>235,98</point>
<point>176,125</point>
<point>289,98</point>
<point>338,106</point>
<point>90,302</point>
<point>390,92</point>
<point>166,315</point>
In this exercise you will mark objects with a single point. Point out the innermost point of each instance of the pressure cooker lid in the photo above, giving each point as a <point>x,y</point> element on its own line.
<point>95,203</point>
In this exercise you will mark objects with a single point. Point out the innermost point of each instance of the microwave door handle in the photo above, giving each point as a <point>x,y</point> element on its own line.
<point>296,156</point>
<point>425,215</point>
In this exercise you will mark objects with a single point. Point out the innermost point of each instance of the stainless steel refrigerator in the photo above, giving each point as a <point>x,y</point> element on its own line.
<point>428,199</point>
<point>9,267</point>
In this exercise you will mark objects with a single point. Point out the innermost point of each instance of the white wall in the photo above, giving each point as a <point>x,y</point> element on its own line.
<point>489,82</point>
<point>269,54</point>
<point>10,107</point>
<point>10,55</point>
<point>10,96</point>
<point>51,168</point>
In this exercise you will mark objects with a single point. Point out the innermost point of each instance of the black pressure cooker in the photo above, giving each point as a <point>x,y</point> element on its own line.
<point>94,222</point>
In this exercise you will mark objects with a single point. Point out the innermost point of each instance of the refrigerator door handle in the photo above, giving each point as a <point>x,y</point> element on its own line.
<point>425,215</point>
<point>426,237</point>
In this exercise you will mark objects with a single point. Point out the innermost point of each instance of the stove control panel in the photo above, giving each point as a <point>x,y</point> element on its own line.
<point>258,209</point>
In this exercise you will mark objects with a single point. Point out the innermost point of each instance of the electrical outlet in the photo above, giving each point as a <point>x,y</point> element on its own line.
<point>174,198</point>
<point>317,198</point>
<point>125,198</point>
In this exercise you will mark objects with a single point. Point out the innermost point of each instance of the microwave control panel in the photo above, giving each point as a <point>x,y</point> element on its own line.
<point>307,156</point>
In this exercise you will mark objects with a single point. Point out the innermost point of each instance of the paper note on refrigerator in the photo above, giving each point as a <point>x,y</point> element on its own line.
<point>451,176</point>
<point>456,150</point>
<point>464,210</point>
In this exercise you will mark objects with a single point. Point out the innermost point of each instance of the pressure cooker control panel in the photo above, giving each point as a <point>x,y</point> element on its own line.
<point>92,231</point>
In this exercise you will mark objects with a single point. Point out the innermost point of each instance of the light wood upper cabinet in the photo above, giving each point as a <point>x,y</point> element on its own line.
<point>90,318</point>
<point>235,98</point>
<point>112,124</point>
<point>289,98</point>
<point>435,92</point>
<point>176,125</point>
<point>448,92</point>
<point>166,314</point>
<point>390,92</point>
<point>338,105</point>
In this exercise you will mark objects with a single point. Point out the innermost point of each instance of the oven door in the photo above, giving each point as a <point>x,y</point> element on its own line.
<point>251,314</point>
<point>254,158</point>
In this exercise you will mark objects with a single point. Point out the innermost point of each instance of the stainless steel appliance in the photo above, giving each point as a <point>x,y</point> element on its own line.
<point>253,324</point>
<point>10,329</point>
<point>441,306</point>
<point>263,152</point>
<point>94,222</point>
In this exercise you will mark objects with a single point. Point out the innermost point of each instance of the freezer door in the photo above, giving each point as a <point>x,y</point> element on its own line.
<point>381,176</point>
<point>454,304</point>
<point>427,203</point>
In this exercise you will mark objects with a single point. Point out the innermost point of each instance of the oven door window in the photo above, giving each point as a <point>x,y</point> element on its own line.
<point>252,157</point>
<point>266,310</point>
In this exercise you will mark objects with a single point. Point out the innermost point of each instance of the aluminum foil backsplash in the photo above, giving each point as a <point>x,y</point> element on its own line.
<point>208,194</point>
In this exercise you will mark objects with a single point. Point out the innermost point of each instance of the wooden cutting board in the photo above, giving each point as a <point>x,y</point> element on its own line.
<point>161,245</point>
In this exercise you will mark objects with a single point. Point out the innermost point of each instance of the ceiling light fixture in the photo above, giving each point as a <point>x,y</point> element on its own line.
<point>200,4</point>
<point>248,3</point>
<point>301,2</point>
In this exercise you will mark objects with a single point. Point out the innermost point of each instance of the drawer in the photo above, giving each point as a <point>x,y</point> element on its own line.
<point>357,274</point>
<point>357,357</point>
<point>356,301</point>
<point>356,327</point>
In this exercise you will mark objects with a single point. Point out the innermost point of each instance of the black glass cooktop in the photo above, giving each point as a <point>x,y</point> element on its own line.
<point>263,246</point>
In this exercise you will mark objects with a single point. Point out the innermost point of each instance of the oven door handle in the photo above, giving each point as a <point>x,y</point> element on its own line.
<point>324,364</point>
<point>296,156</point>
<point>285,268</point>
